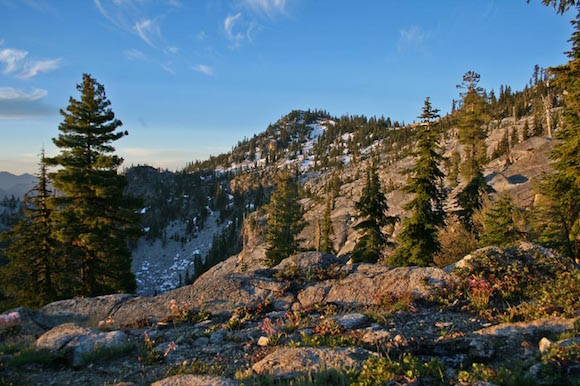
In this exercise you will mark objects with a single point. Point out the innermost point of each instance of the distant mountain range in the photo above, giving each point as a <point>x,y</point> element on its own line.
<point>11,184</point>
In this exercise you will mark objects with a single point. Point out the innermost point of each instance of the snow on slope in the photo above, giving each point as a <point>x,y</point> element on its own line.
<point>158,267</point>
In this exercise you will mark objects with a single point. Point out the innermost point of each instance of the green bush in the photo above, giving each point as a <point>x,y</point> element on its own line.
<point>556,362</point>
<point>519,285</point>
<point>377,371</point>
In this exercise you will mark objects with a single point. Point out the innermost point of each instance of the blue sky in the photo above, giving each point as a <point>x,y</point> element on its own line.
<point>191,78</point>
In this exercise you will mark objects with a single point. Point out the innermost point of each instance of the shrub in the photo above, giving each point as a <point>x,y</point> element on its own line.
<point>485,373</point>
<point>520,284</point>
<point>328,327</point>
<point>327,341</point>
<point>557,361</point>
<point>146,352</point>
<point>456,242</point>
<point>32,356</point>
<point>408,369</point>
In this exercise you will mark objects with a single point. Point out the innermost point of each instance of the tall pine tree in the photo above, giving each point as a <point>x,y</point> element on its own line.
<point>471,199</point>
<point>417,242</point>
<point>471,118</point>
<point>327,231</point>
<point>284,219</point>
<point>32,274</point>
<point>372,208</point>
<point>563,187</point>
<point>499,223</point>
<point>94,219</point>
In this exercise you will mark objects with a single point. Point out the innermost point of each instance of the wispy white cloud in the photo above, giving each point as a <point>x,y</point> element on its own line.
<point>11,58</point>
<point>201,36</point>
<point>103,12</point>
<point>267,7</point>
<point>12,94</point>
<point>412,38</point>
<point>237,29</point>
<point>134,54</point>
<point>138,17</point>
<point>174,3</point>
<point>250,14</point>
<point>16,63</point>
<point>18,104</point>
<point>168,67</point>
<point>173,50</point>
<point>229,23</point>
<point>147,28</point>
<point>204,69</point>
<point>251,28</point>
<point>34,68</point>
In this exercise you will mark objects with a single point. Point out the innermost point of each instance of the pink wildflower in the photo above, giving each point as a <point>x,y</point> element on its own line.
<point>9,320</point>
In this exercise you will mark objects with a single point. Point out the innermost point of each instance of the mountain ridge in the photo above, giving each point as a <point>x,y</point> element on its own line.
<point>16,185</point>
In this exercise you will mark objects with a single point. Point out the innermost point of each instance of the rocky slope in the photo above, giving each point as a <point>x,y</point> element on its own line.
<point>248,165</point>
<point>242,323</point>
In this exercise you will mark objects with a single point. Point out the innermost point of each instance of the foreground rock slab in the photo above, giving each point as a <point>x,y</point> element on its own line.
<point>350,321</point>
<point>80,341</point>
<point>287,362</point>
<point>368,282</point>
<point>536,327</point>
<point>195,380</point>
<point>80,310</point>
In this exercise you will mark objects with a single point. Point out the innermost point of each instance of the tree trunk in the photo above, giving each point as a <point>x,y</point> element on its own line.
<point>548,106</point>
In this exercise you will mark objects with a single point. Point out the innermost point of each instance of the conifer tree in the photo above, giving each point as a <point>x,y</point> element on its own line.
<point>284,219</point>
<point>93,217</point>
<point>526,131</point>
<point>372,208</point>
<point>547,225</point>
<point>499,224</point>
<point>561,6</point>
<point>327,231</point>
<point>471,118</point>
<point>336,185</point>
<point>563,187</point>
<point>453,174</point>
<point>514,138</point>
<point>31,276</point>
<point>471,198</point>
<point>418,242</point>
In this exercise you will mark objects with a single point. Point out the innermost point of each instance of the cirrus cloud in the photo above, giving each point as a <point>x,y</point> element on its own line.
<point>237,29</point>
<point>134,54</point>
<point>11,58</point>
<point>412,39</point>
<point>229,23</point>
<point>204,69</point>
<point>12,94</point>
<point>147,29</point>
<point>138,17</point>
<point>267,7</point>
<point>34,68</point>
<point>16,103</point>
<point>16,63</point>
